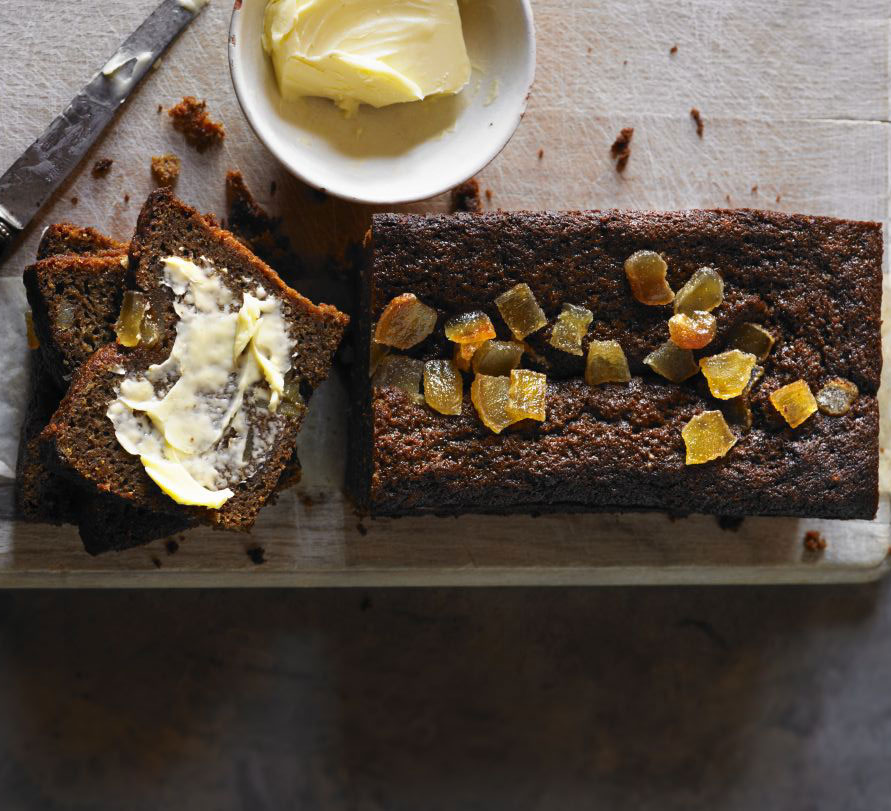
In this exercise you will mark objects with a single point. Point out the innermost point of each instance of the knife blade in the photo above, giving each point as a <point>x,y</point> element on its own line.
<point>44,165</point>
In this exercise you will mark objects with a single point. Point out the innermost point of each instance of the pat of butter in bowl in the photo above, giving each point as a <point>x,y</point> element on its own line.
<point>366,51</point>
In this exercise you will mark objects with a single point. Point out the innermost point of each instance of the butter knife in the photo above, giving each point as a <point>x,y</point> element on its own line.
<point>30,181</point>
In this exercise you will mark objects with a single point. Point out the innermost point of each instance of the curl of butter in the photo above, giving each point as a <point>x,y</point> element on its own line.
<point>364,51</point>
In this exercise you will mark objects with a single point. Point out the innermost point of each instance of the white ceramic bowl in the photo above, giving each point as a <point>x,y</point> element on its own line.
<point>406,151</point>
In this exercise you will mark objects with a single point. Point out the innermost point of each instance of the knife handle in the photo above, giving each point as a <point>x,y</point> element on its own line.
<point>7,233</point>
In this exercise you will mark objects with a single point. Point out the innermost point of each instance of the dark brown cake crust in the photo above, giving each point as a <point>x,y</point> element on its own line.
<point>814,282</point>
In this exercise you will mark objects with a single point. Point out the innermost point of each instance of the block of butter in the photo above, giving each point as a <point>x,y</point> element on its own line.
<point>366,51</point>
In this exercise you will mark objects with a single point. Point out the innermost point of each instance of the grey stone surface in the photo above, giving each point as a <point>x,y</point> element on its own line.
<point>444,699</point>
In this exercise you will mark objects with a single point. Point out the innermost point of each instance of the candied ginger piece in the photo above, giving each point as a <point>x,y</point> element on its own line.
<point>405,322</point>
<point>795,402</point>
<point>129,323</point>
<point>751,338</point>
<point>837,397</point>
<point>570,328</point>
<point>704,290</point>
<point>694,330</point>
<point>707,437</point>
<point>33,341</point>
<point>728,373</point>
<point>400,372</point>
<point>672,362</point>
<point>443,386</point>
<point>490,396</point>
<point>606,363</point>
<point>464,353</point>
<point>527,395</point>
<point>646,272</point>
<point>497,358</point>
<point>469,328</point>
<point>520,311</point>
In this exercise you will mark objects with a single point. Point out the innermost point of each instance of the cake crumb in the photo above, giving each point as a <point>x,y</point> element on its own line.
<point>814,541</point>
<point>697,117</point>
<point>779,198</point>
<point>673,50</point>
<point>165,169</point>
<point>257,554</point>
<point>74,201</point>
<point>171,546</point>
<point>540,154</point>
<point>621,148</point>
<point>466,197</point>
<point>160,109</point>
<point>126,198</point>
<point>307,500</point>
<point>102,167</point>
<point>191,119</point>
<point>157,562</point>
<point>489,194</point>
<point>362,529</point>
<point>755,189</point>
<point>730,523</point>
<point>727,198</point>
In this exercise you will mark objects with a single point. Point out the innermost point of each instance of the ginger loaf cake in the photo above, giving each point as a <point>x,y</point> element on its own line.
<point>722,362</point>
<point>127,421</point>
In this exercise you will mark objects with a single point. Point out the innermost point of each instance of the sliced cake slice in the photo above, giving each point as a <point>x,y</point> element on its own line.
<point>202,420</point>
<point>64,237</point>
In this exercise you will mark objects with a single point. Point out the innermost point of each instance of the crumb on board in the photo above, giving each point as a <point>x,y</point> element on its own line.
<point>191,119</point>
<point>814,541</point>
<point>673,50</point>
<point>74,201</point>
<point>727,198</point>
<point>160,109</point>
<point>102,167</point>
<point>466,197</point>
<point>540,154</point>
<point>488,194</point>
<point>172,546</point>
<point>361,529</point>
<point>165,169</point>
<point>697,117</point>
<point>157,562</point>
<point>731,523</point>
<point>755,189</point>
<point>621,148</point>
<point>126,198</point>
<point>257,554</point>
<point>779,197</point>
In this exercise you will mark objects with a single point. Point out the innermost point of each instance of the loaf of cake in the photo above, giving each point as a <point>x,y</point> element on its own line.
<point>722,362</point>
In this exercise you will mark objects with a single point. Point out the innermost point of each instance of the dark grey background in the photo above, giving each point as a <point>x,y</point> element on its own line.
<point>442,699</point>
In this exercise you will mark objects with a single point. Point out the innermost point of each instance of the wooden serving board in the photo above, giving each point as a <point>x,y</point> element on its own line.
<point>794,95</point>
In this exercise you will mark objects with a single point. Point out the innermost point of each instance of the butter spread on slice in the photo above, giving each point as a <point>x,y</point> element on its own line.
<point>191,419</point>
<point>366,52</point>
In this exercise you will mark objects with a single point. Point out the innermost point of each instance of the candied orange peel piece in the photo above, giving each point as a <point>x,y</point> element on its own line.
<point>795,402</point>
<point>497,358</point>
<point>520,311</point>
<point>752,338</point>
<point>401,372</point>
<point>469,328</point>
<point>646,272</point>
<point>837,397</point>
<point>443,386</point>
<point>405,322</point>
<point>704,290</point>
<point>527,395</point>
<point>463,355</point>
<point>672,362</point>
<point>606,363</point>
<point>694,330</point>
<point>570,328</point>
<point>490,396</point>
<point>707,437</point>
<point>728,373</point>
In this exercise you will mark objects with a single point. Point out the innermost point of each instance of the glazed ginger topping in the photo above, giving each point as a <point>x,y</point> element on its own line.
<point>189,418</point>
